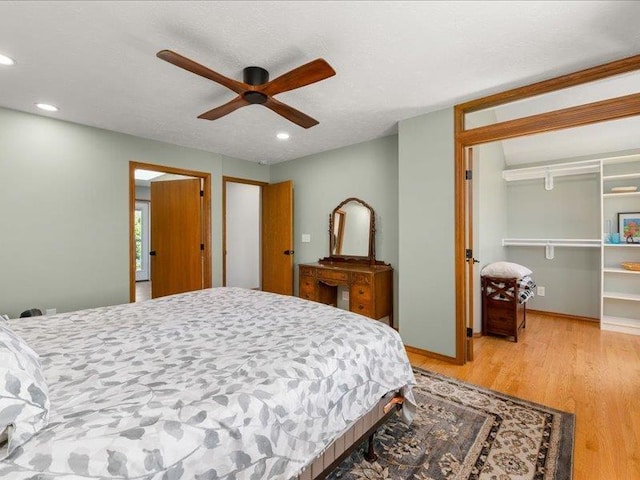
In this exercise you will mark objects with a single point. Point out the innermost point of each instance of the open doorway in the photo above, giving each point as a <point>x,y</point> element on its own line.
<point>607,104</point>
<point>242,252</point>
<point>170,230</point>
<point>142,237</point>
<point>258,235</point>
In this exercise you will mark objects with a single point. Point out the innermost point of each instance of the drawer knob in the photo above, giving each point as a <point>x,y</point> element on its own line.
<point>361,292</point>
<point>360,306</point>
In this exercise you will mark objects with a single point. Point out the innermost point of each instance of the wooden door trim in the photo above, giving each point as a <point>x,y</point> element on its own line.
<point>224,216</point>
<point>580,77</point>
<point>604,110</point>
<point>580,115</point>
<point>206,212</point>
<point>470,261</point>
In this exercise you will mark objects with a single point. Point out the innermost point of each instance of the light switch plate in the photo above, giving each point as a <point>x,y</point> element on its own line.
<point>345,295</point>
<point>541,291</point>
<point>306,238</point>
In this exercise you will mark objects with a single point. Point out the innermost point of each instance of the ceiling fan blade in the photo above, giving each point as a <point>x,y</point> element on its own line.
<point>194,67</point>
<point>223,110</point>
<point>306,74</point>
<point>290,113</point>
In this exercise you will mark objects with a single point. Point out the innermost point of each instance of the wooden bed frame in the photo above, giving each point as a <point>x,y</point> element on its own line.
<point>502,312</point>
<point>342,447</point>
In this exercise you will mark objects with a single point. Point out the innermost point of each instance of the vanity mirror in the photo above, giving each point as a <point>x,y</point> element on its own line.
<point>352,232</point>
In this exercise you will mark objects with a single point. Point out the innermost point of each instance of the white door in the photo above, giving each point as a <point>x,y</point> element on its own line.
<point>141,222</point>
<point>242,216</point>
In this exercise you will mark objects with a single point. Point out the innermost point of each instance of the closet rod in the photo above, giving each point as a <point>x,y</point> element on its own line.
<point>549,244</point>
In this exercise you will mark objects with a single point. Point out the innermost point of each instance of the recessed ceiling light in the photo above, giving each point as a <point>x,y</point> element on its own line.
<point>47,107</point>
<point>4,60</point>
<point>283,136</point>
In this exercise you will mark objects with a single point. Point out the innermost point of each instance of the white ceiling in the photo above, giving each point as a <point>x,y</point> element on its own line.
<point>394,60</point>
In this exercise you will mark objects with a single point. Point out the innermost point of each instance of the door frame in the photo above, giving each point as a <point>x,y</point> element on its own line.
<point>226,180</point>
<point>587,114</point>
<point>206,218</point>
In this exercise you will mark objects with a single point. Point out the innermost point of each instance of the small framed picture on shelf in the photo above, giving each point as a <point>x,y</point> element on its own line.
<point>629,226</point>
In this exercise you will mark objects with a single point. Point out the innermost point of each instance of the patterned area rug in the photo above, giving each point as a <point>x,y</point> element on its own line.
<point>466,432</point>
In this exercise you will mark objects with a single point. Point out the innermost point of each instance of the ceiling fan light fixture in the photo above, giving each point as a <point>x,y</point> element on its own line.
<point>283,136</point>
<point>8,61</point>
<point>47,107</point>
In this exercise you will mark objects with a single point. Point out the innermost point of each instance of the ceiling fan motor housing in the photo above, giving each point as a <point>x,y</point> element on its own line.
<point>255,75</point>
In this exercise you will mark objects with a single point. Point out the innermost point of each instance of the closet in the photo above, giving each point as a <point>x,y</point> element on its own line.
<point>599,201</point>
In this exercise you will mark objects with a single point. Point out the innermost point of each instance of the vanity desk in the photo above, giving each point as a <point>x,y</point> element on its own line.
<point>370,286</point>
<point>352,264</point>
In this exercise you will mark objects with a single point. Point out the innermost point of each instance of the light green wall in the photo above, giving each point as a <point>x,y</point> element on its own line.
<point>571,210</point>
<point>426,232</point>
<point>64,209</point>
<point>368,171</point>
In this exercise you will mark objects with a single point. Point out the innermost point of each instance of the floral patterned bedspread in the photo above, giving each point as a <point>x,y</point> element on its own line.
<point>220,383</point>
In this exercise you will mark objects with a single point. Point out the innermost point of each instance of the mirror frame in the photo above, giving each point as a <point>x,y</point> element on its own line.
<point>370,259</point>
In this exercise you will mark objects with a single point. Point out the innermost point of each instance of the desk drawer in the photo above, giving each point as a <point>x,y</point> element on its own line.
<point>306,271</point>
<point>333,275</point>
<point>361,293</point>
<point>362,278</point>
<point>362,307</point>
<point>307,288</point>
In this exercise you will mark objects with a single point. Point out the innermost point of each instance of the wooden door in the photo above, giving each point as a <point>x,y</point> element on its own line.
<point>176,237</point>
<point>277,238</point>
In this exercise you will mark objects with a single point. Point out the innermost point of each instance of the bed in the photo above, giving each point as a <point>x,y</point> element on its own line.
<point>219,383</point>
<point>504,304</point>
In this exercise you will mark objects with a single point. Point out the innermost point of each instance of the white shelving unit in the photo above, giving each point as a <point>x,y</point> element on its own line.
<point>620,288</point>
<point>620,301</point>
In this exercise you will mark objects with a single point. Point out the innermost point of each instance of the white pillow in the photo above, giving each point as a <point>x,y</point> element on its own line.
<point>505,270</point>
<point>24,399</point>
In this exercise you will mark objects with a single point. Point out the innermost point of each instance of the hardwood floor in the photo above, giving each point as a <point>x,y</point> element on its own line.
<point>569,365</point>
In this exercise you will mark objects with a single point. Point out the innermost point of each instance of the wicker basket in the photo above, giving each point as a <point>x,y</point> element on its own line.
<point>633,266</point>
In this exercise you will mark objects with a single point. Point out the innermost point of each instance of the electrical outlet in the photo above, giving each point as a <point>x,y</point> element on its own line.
<point>541,291</point>
<point>50,311</point>
<point>306,238</point>
<point>345,295</point>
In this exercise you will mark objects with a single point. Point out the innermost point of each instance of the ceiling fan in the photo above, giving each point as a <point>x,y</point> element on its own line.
<point>256,87</point>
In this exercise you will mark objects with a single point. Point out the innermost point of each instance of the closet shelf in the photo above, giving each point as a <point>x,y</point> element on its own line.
<point>548,172</point>
<point>625,176</point>
<point>634,297</point>
<point>620,270</point>
<point>550,243</point>
<point>622,194</point>
<point>620,324</point>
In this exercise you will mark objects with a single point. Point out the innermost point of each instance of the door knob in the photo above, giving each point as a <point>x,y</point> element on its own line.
<point>288,252</point>
<point>152,253</point>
